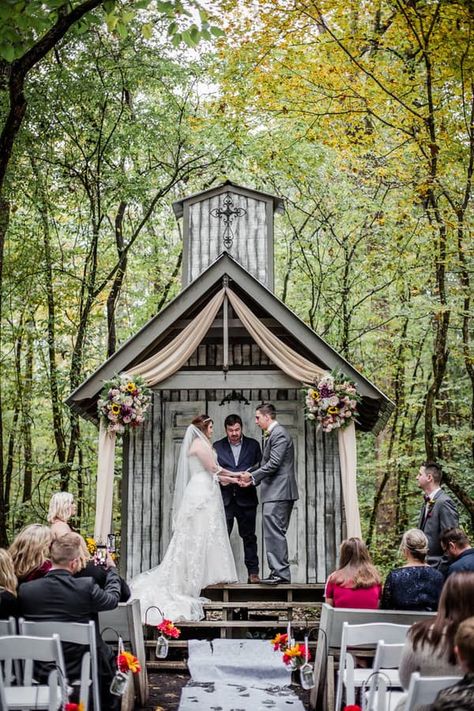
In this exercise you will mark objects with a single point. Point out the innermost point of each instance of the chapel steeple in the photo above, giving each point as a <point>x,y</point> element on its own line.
<point>228,218</point>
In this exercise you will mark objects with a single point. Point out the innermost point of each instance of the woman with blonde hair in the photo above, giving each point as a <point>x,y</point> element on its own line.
<point>416,585</point>
<point>61,508</point>
<point>8,586</point>
<point>30,552</point>
<point>356,582</point>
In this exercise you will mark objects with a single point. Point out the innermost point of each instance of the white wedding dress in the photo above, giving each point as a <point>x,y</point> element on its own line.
<point>199,553</point>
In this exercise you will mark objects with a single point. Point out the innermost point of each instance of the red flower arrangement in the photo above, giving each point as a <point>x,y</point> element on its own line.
<point>71,706</point>
<point>126,661</point>
<point>352,707</point>
<point>168,629</point>
<point>280,642</point>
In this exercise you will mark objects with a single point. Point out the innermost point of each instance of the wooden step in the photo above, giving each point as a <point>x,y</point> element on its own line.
<point>209,624</point>
<point>183,643</point>
<point>264,605</point>
<point>159,665</point>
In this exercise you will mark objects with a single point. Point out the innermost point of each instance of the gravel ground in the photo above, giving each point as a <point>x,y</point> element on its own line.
<point>165,691</point>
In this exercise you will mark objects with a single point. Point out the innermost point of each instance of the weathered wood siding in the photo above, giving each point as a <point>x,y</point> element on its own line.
<point>252,234</point>
<point>150,459</point>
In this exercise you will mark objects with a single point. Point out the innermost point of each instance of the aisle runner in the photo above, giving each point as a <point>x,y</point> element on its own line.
<point>237,675</point>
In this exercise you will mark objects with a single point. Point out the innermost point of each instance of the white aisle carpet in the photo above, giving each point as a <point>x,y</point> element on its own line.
<point>237,675</point>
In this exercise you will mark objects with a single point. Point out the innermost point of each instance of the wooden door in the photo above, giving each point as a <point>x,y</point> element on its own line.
<point>289,414</point>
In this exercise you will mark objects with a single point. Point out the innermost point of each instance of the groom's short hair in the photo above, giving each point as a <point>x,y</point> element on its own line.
<point>266,408</point>
<point>232,420</point>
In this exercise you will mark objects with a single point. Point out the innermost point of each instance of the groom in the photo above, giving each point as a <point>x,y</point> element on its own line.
<point>279,491</point>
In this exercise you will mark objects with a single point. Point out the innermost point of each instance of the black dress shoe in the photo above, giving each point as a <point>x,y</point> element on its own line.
<point>272,580</point>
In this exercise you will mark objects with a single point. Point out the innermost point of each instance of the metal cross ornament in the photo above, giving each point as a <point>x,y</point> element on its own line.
<point>227,214</point>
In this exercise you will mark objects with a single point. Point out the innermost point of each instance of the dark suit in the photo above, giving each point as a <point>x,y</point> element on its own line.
<point>441,515</point>
<point>241,502</point>
<point>60,596</point>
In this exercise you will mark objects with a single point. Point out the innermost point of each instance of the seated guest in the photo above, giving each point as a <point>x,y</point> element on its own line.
<point>61,508</point>
<point>8,585</point>
<point>415,586</point>
<point>30,552</point>
<point>460,696</point>
<point>457,550</point>
<point>429,647</point>
<point>62,597</point>
<point>356,582</point>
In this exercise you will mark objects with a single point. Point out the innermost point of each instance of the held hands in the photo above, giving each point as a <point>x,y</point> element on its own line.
<point>245,479</point>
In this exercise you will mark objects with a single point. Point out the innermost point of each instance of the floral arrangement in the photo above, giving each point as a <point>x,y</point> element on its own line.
<point>71,706</point>
<point>293,654</point>
<point>91,545</point>
<point>332,401</point>
<point>126,661</point>
<point>168,629</point>
<point>123,402</point>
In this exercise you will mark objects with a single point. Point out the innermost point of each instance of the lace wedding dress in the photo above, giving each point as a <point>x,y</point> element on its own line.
<point>199,553</point>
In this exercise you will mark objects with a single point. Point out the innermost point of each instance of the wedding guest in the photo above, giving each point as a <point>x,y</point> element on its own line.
<point>460,696</point>
<point>61,509</point>
<point>416,585</point>
<point>437,513</point>
<point>356,582</point>
<point>61,597</point>
<point>458,550</point>
<point>91,569</point>
<point>8,586</point>
<point>30,552</point>
<point>429,647</point>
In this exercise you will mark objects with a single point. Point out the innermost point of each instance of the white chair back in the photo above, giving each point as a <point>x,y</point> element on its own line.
<point>381,695</point>
<point>76,633</point>
<point>358,636</point>
<point>424,689</point>
<point>27,694</point>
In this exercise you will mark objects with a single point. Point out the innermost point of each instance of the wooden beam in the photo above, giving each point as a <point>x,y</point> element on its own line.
<point>233,379</point>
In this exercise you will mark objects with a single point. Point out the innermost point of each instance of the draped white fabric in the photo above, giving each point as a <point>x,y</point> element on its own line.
<point>299,368</point>
<point>173,356</point>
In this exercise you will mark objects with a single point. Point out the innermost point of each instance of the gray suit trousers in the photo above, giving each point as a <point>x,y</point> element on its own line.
<point>276,518</point>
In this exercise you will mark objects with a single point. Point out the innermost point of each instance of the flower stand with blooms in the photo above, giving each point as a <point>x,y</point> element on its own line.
<point>124,402</point>
<point>332,401</point>
<point>167,631</point>
<point>127,664</point>
<point>296,656</point>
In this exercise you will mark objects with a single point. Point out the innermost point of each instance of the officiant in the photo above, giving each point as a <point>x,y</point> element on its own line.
<point>238,453</point>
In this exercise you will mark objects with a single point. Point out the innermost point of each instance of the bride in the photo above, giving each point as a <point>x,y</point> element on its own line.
<point>199,553</point>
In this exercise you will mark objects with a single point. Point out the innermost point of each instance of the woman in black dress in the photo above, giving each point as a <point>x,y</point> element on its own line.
<point>415,586</point>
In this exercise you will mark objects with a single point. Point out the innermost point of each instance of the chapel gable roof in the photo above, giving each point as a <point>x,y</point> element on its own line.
<point>163,327</point>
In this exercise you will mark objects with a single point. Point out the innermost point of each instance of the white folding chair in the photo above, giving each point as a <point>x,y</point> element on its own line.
<point>76,633</point>
<point>7,627</point>
<point>384,681</point>
<point>27,694</point>
<point>367,635</point>
<point>424,689</point>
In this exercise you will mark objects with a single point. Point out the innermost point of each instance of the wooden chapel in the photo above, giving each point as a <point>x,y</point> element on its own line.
<point>228,241</point>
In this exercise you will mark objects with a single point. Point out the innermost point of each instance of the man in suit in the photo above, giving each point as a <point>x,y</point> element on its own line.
<point>279,491</point>
<point>237,453</point>
<point>61,597</point>
<point>437,513</point>
<point>458,550</point>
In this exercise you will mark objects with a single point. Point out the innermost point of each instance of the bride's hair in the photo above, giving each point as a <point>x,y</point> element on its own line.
<point>202,422</point>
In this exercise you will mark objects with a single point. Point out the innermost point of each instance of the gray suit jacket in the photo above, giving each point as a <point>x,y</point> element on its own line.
<point>276,474</point>
<point>443,514</point>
